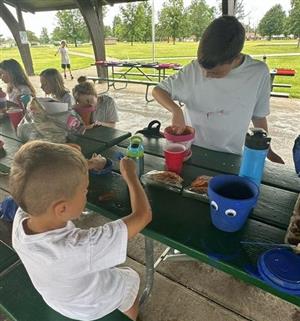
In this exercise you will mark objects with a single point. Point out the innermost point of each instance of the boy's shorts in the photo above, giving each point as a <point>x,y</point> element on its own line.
<point>132,284</point>
<point>64,66</point>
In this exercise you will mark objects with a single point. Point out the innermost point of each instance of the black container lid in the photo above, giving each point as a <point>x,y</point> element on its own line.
<point>257,138</point>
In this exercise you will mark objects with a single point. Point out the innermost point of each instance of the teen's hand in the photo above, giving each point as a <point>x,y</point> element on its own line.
<point>178,121</point>
<point>128,169</point>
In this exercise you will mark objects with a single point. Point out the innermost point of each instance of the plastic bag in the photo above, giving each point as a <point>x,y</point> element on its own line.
<point>38,124</point>
<point>296,155</point>
<point>8,209</point>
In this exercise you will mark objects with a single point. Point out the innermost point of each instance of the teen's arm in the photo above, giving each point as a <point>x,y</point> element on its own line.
<point>263,123</point>
<point>164,99</point>
<point>141,211</point>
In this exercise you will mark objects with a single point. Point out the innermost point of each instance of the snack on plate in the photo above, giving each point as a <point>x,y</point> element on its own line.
<point>164,179</point>
<point>200,184</point>
<point>293,231</point>
<point>167,177</point>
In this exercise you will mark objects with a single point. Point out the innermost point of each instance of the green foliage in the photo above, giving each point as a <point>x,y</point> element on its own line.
<point>71,27</point>
<point>44,37</point>
<point>173,21</point>
<point>31,36</point>
<point>294,18</point>
<point>200,15</point>
<point>273,22</point>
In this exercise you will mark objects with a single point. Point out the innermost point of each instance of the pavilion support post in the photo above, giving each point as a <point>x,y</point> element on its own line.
<point>228,7</point>
<point>15,28</point>
<point>94,20</point>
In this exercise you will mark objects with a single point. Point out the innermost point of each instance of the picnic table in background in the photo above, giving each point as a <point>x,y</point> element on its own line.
<point>280,72</point>
<point>134,73</point>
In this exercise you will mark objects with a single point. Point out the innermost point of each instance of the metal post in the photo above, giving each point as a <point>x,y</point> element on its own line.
<point>153,32</point>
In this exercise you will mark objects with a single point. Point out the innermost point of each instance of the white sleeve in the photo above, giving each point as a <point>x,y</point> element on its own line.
<point>177,85</point>
<point>262,107</point>
<point>108,245</point>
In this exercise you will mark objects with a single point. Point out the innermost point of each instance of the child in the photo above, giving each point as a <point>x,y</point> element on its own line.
<point>105,110</point>
<point>73,269</point>
<point>65,60</point>
<point>52,83</point>
<point>12,73</point>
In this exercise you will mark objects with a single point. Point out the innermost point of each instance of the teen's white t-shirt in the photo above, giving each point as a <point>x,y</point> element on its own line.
<point>220,109</point>
<point>74,269</point>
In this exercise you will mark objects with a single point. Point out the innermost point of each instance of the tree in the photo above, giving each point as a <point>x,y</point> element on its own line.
<point>31,36</point>
<point>200,16</point>
<point>44,37</point>
<point>71,26</point>
<point>294,19</point>
<point>172,19</point>
<point>143,21</point>
<point>117,28</point>
<point>107,31</point>
<point>273,22</point>
<point>129,19</point>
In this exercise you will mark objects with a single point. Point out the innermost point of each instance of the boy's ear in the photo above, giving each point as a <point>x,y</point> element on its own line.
<point>60,209</point>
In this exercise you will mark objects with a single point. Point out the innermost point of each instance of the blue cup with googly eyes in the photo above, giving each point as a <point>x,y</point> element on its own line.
<point>231,200</point>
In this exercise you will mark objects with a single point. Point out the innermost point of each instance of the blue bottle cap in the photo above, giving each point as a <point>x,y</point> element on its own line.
<point>281,268</point>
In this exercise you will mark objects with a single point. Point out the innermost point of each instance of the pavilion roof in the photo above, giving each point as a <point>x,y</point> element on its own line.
<point>49,5</point>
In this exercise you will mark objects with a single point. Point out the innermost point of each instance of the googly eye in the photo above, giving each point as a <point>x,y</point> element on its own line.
<point>230,212</point>
<point>214,205</point>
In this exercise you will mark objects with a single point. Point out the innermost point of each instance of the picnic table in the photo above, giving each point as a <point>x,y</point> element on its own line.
<point>280,72</point>
<point>136,70</point>
<point>182,222</point>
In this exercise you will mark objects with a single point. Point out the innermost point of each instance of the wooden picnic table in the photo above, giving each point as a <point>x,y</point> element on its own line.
<point>280,72</point>
<point>184,223</point>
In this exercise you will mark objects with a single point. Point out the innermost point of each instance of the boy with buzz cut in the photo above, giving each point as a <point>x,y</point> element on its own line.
<point>223,90</point>
<point>73,269</point>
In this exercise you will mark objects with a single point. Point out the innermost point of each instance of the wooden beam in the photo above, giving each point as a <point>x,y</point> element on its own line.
<point>94,20</point>
<point>228,7</point>
<point>15,28</point>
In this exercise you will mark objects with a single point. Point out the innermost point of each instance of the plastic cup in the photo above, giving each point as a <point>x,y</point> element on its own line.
<point>85,113</point>
<point>174,155</point>
<point>15,115</point>
<point>231,201</point>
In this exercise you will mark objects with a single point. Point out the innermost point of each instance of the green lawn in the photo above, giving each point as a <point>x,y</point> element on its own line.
<point>181,52</point>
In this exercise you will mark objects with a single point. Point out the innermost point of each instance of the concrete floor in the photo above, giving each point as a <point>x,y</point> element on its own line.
<point>192,291</point>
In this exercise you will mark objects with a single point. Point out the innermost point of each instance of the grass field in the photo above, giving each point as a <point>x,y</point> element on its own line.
<point>181,52</point>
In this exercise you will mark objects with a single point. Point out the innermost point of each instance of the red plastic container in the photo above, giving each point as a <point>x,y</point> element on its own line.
<point>174,155</point>
<point>186,139</point>
<point>15,115</point>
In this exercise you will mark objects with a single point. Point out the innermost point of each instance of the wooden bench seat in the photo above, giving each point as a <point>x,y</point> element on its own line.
<point>21,302</point>
<point>111,82</point>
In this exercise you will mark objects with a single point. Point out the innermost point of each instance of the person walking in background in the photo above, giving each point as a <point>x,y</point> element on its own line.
<point>18,83</point>
<point>52,84</point>
<point>65,59</point>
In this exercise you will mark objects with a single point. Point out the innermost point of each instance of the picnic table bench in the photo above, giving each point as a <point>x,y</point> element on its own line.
<point>280,72</point>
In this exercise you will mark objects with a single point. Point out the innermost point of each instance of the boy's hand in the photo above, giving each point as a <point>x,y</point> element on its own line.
<point>128,170</point>
<point>178,121</point>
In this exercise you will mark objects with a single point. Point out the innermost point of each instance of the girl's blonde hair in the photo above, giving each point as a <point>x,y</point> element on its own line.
<point>84,87</point>
<point>55,82</point>
<point>17,75</point>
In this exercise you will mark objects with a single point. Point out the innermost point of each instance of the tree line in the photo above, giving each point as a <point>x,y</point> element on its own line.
<point>134,22</point>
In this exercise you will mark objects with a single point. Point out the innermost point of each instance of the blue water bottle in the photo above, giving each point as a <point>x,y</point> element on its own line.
<point>135,151</point>
<point>256,148</point>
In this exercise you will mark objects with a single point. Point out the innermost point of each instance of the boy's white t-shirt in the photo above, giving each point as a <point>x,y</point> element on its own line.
<point>65,60</point>
<point>74,269</point>
<point>220,109</point>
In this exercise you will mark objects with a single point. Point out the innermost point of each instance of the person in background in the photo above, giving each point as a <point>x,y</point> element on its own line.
<point>105,109</point>
<point>73,269</point>
<point>65,59</point>
<point>52,84</point>
<point>222,90</point>
<point>18,83</point>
